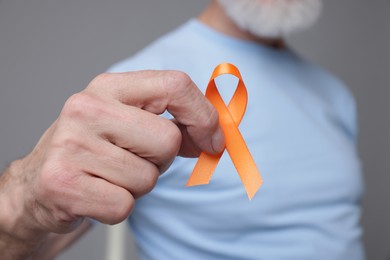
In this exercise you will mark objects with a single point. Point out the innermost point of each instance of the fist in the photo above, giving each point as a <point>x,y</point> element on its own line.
<point>109,145</point>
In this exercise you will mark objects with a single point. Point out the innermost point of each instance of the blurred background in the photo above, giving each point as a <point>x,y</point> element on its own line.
<point>50,49</point>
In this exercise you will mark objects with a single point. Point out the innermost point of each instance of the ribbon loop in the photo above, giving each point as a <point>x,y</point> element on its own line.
<point>230,117</point>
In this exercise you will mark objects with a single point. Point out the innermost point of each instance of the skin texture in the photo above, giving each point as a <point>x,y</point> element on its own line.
<point>104,151</point>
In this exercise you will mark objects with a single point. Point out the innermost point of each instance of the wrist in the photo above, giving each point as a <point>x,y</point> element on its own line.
<point>19,232</point>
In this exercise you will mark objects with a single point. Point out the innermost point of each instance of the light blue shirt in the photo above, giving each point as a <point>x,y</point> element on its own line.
<point>300,127</point>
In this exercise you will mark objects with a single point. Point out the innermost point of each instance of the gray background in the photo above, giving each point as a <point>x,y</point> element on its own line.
<point>50,49</point>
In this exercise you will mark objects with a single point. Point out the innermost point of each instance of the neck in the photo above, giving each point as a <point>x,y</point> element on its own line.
<point>214,17</point>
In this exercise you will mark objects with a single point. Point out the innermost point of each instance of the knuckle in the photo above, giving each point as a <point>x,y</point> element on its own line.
<point>150,176</point>
<point>170,139</point>
<point>121,210</point>
<point>100,80</point>
<point>177,81</point>
<point>78,105</point>
<point>85,107</point>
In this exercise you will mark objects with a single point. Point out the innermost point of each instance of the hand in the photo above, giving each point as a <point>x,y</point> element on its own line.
<point>107,148</point>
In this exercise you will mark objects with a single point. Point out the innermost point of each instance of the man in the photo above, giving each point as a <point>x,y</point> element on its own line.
<point>299,127</point>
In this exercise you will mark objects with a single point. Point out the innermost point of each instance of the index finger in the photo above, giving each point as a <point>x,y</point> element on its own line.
<point>157,91</point>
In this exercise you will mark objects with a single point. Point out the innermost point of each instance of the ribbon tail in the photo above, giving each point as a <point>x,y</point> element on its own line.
<point>248,172</point>
<point>242,160</point>
<point>204,169</point>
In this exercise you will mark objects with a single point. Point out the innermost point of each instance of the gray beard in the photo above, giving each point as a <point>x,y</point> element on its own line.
<point>272,18</point>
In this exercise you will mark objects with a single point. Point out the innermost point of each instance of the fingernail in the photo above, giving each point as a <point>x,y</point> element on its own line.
<point>218,141</point>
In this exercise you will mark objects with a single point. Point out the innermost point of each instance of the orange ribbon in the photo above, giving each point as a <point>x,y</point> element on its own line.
<point>229,117</point>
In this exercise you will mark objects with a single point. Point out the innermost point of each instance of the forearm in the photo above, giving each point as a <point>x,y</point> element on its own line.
<point>57,243</point>
<point>19,237</point>
<point>12,248</point>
